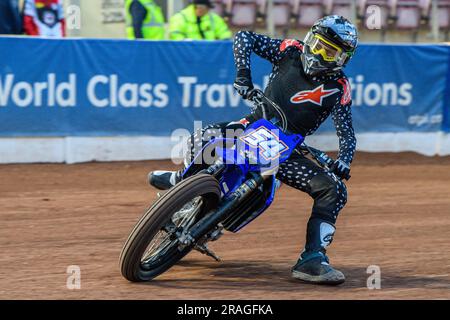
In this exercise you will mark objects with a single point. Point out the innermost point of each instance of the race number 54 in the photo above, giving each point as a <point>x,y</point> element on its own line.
<point>267,142</point>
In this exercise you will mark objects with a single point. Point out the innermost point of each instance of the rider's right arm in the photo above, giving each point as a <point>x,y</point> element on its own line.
<point>246,42</point>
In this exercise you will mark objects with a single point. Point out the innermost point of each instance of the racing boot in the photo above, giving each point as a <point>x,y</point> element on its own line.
<point>164,180</point>
<point>313,265</point>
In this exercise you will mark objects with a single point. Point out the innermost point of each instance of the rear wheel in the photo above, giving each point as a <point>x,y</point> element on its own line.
<point>152,247</point>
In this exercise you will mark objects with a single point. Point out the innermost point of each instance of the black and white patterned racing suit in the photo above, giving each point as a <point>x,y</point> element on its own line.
<point>307,102</point>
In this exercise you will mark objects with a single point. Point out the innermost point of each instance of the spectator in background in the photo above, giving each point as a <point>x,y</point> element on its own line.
<point>145,20</point>
<point>10,21</point>
<point>44,18</point>
<point>196,22</point>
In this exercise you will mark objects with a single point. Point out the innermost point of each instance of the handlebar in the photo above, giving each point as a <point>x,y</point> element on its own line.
<point>258,98</point>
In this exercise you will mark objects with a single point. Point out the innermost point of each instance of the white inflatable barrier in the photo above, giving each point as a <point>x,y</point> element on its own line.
<point>86,149</point>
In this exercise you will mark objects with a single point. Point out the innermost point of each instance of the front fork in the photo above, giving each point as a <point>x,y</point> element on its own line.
<point>210,221</point>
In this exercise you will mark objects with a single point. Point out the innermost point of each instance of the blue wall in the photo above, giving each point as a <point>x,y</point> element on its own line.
<point>110,87</point>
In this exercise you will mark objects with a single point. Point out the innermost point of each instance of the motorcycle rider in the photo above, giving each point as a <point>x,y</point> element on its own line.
<point>308,83</point>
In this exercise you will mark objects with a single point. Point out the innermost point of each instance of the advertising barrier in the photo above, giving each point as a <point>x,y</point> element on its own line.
<point>446,103</point>
<point>111,88</point>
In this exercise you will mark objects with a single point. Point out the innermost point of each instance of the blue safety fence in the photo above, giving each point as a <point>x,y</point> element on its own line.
<point>446,103</point>
<point>116,87</point>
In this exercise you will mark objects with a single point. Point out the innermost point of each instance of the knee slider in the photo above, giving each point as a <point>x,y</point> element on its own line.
<point>329,196</point>
<point>323,186</point>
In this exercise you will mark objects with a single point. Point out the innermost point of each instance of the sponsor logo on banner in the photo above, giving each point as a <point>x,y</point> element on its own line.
<point>374,94</point>
<point>101,91</point>
<point>109,91</point>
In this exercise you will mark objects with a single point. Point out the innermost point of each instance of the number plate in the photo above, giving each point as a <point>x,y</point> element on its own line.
<point>267,142</point>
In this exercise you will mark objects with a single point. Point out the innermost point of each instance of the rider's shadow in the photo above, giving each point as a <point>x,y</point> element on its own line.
<point>260,275</point>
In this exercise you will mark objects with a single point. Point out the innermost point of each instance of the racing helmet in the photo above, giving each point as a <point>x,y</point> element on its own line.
<point>329,45</point>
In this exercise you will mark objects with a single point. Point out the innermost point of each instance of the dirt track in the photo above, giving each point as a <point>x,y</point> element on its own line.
<point>53,216</point>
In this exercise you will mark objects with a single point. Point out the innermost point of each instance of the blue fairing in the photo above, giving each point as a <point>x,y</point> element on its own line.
<point>262,147</point>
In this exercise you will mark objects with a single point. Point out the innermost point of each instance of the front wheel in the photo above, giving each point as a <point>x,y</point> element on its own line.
<point>152,247</point>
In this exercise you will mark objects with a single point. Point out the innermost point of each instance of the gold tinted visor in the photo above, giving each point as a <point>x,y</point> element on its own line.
<point>329,51</point>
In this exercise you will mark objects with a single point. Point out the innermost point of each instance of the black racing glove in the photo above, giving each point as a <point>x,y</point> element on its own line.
<point>341,169</point>
<point>243,83</point>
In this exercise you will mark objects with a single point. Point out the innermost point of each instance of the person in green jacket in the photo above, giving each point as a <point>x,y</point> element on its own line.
<point>145,20</point>
<point>196,22</point>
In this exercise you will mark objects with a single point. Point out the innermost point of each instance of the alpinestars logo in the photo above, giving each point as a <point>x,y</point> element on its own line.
<point>314,96</point>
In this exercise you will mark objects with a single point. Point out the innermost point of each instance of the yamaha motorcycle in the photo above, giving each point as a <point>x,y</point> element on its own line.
<point>226,195</point>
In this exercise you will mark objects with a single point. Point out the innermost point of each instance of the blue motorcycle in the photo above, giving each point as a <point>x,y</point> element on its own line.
<point>226,195</point>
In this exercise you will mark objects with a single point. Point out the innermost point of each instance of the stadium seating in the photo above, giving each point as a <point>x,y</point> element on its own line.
<point>262,7</point>
<point>284,7</point>
<point>396,15</point>
<point>219,7</point>
<point>443,17</point>
<point>282,13</point>
<point>407,16</point>
<point>309,11</point>
<point>343,8</point>
<point>425,8</point>
<point>243,13</point>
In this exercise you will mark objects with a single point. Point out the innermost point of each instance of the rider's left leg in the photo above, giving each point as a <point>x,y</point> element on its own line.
<point>329,196</point>
<point>313,265</point>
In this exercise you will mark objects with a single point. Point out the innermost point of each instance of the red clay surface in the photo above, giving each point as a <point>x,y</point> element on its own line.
<point>53,216</point>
